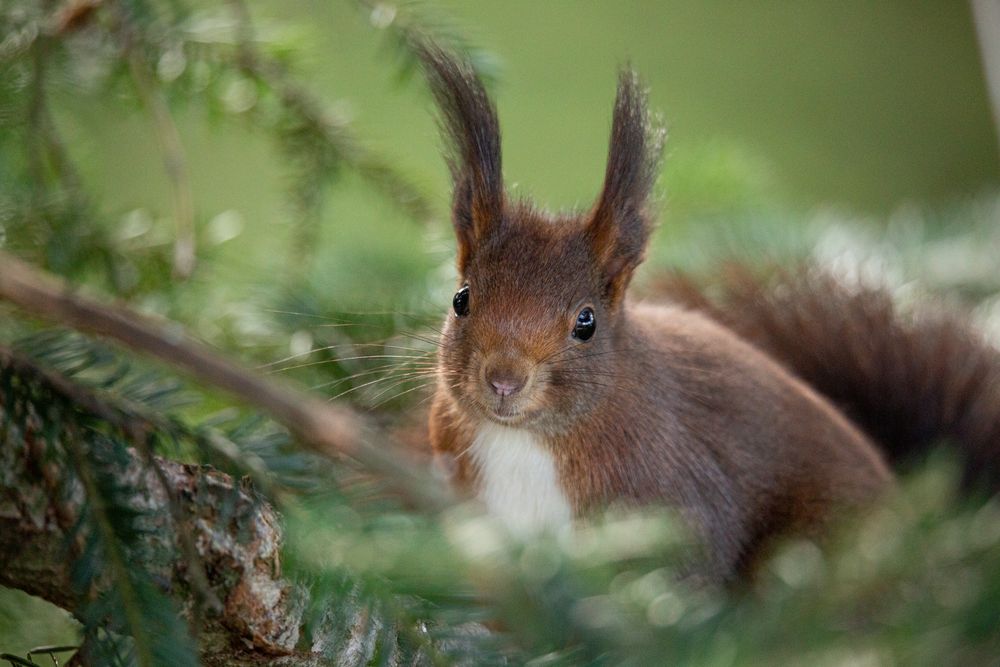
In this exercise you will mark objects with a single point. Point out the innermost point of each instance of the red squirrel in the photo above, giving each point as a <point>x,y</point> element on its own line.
<point>557,395</point>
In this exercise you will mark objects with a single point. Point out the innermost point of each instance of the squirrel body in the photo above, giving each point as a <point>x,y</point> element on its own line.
<point>696,419</point>
<point>557,395</point>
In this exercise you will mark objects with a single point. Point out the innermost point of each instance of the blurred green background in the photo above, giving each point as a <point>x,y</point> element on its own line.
<point>771,106</point>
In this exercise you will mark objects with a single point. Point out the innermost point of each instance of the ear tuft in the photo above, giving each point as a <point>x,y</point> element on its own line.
<point>469,124</point>
<point>621,222</point>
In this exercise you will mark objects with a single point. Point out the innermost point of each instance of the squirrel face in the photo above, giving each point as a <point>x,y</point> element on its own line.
<point>533,335</point>
<point>529,340</point>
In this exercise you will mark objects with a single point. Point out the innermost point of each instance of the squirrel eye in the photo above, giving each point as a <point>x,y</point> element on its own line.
<point>461,301</point>
<point>586,324</point>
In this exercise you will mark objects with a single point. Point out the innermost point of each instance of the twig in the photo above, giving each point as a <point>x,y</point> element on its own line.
<point>174,163</point>
<point>114,553</point>
<point>36,110</point>
<point>171,147</point>
<point>302,103</point>
<point>330,429</point>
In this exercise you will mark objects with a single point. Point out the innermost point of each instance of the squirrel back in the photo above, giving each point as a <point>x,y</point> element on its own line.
<point>558,396</point>
<point>909,380</point>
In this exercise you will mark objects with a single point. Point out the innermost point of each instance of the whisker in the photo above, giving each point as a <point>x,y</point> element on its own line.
<point>557,352</point>
<point>327,348</point>
<point>294,356</point>
<point>422,353</point>
<point>384,368</point>
<point>421,386</point>
<point>401,313</point>
<point>426,339</point>
<point>449,385</point>
<point>404,380</point>
<point>293,312</point>
<point>344,325</point>
<point>380,344</point>
<point>416,375</point>
<point>343,359</point>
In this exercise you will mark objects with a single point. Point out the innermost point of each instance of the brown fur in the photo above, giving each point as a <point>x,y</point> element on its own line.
<point>663,404</point>
<point>911,381</point>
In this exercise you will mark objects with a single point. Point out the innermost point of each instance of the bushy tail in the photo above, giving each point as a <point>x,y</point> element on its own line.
<point>910,380</point>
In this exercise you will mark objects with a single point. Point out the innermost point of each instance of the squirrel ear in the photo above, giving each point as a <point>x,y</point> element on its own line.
<point>469,124</point>
<point>620,223</point>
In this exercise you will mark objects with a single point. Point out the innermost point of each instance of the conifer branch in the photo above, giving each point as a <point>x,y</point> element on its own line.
<point>44,142</point>
<point>60,444</point>
<point>174,163</point>
<point>168,137</point>
<point>260,609</point>
<point>301,103</point>
<point>329,429</point>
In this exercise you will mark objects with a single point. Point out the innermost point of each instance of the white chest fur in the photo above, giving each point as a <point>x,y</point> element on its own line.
<point>518,481</point>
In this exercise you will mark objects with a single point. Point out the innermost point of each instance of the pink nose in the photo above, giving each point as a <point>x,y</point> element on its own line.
<point>505,385</point>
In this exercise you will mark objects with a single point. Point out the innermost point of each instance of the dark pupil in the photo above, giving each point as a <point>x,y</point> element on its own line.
<point>586,324</point>
<point>461,302</point>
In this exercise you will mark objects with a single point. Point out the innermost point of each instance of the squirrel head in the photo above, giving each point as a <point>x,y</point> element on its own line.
<point>538,312</point>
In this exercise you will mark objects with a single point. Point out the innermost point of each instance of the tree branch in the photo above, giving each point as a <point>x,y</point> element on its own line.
<point>260,612</point>
<point>174,163</point>
<point>54,444</point>
<point>332,430</point>
<point>300,101</point>
<point>169,138</point>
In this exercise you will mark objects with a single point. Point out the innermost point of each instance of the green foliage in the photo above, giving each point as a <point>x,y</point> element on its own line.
<point>102,541</point>
<point>914,582</point>
<point>162,56</point>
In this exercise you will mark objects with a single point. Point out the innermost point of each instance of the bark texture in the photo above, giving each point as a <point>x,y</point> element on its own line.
<point>247,612</point>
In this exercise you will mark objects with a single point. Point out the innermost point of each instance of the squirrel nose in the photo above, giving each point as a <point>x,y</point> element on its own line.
<point>505,385</point>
